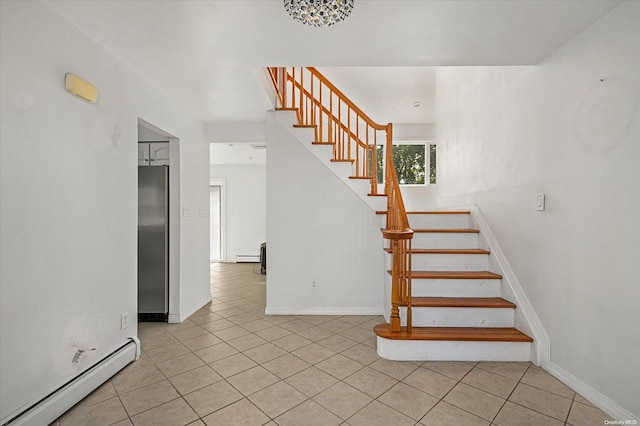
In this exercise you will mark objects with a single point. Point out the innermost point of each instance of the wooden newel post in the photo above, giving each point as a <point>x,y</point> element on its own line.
<point>400,279</point>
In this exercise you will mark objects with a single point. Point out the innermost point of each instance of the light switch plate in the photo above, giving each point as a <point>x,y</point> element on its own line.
<point>187,212</point>
<point>540,201</point>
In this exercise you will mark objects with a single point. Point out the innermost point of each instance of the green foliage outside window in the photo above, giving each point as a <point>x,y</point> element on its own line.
<point>409,161</point>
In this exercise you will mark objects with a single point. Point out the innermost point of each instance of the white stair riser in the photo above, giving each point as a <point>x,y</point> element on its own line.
<point>459,317</point>
<point>449,240</point>
<point>447,262</point>
<point>443,350</point>
<point>455,288</point>
<point>438,221</point>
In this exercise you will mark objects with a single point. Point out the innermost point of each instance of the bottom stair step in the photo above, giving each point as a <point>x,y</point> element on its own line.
<point>453,344</point>
<point>477,334</point>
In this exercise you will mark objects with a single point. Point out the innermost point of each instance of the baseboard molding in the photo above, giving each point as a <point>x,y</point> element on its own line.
<point>48,409</point>
<point>541,352</point>
<point>178,318</point>
<point>325,311</point>
<point>596,398</point>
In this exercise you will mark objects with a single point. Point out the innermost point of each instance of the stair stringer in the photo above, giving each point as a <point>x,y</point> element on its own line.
<point>526,318</point>
<point>361,187</point>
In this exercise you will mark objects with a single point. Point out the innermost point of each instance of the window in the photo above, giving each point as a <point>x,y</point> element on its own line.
<point>412,162</point>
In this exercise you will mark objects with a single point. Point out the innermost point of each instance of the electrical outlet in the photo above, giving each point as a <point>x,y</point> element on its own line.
<point>124,320</point>
<point>314,285</point>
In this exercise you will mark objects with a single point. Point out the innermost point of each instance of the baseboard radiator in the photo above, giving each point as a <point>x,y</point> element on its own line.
<point>52,406</point>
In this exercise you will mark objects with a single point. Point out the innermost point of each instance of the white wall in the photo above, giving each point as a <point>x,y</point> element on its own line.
<point>245,208</point>
<point>569,128</point>
<point>69,202</point>
<point>319,230</point>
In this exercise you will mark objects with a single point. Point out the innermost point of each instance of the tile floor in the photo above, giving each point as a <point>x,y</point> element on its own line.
<point>229,364</point>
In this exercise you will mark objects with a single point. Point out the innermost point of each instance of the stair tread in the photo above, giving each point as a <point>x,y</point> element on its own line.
<point>377,195</point>
<point>322,143</point>
<point>448,230</point>
<point>305,126</point>
<point>461,302</point>
<point>477,334</point>
<point>286,109</point>
<point>431,212</point>
<point>446,251</point>
<point>360,177</point>
<point>341,160</point>
<point>455,274</point>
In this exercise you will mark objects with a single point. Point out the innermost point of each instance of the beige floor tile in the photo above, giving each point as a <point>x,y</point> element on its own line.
<point>156,341</point>
<point>475,401</point>
<point>218,325</point>
<point>336,326</point>
<point>175,366</point>
<point>173,327</point>
<point>339,366</point>
<point>342,400</point>
<point>201,342</point>
<point>243,318</point>
<point>257,325</point>
<point>197,423</point>
<point>101,413</point>
<point>148,397</point>
<point>143,361</point>
<point>540,379</point>
<point>408,400</point>
<point>164,353</point>
<point>337,343</point>
<point>176,412</point>
<point>396,369</point>
<point>311,381</point>
<point>451,369</point>
<point>309,413</point>
<point>358,334</point>
<point>189,333</point>
<point>377,414</point>
<point>212,398</point>
<point>363,354</point>
<point>125,422</point>
<point>490,382</point>
<point>286,365</point>
<point>587,415</point>
<point>215,352</point>
<point>104,392</point>
<point>205,317</point>
<point>280,319</point>
<point>515,415</point>
<point>240,413</point>
<point>128,380</point>
<point>296,325</point>
<point>231,333</point>
<point>430,382</point>
<point>232,365</point>
<point>229,311</point>
<point>370,381</point>
<point>277,399</point>
<point>355,319</point>
<point>541,401</point>
<point>313,353</point>
<point>291,342</point>
<point>252,380</point>
<point>247,341</point>
<point>264,353</point>
<point>447,414</point>
<point>194,379</point>
<point>273,333</point>
<point>512,370</point>
<point>315,333</point>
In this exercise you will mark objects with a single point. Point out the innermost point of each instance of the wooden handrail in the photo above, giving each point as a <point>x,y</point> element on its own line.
<point>354,136</point>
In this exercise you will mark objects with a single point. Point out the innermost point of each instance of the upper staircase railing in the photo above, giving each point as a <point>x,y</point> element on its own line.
<point>355,138</point>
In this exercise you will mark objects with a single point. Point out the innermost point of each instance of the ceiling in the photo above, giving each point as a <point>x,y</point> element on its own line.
<point>207,55</point>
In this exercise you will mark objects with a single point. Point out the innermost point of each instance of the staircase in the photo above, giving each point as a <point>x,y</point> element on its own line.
<point>445,303</point>
<point>457,311</point>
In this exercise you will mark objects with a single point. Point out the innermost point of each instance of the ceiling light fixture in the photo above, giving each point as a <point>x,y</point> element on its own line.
<point>319,13</point>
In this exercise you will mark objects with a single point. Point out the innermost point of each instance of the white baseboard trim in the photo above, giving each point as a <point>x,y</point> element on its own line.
<point>325,311</point>
<point>47,410</point>
<point>596,398</point>
<point>541,347</point>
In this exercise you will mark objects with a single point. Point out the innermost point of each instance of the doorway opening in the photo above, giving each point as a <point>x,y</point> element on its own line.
<point>215,225</point>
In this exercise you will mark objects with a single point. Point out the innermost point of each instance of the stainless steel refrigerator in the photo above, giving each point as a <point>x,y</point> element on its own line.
<point>153,243</point>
